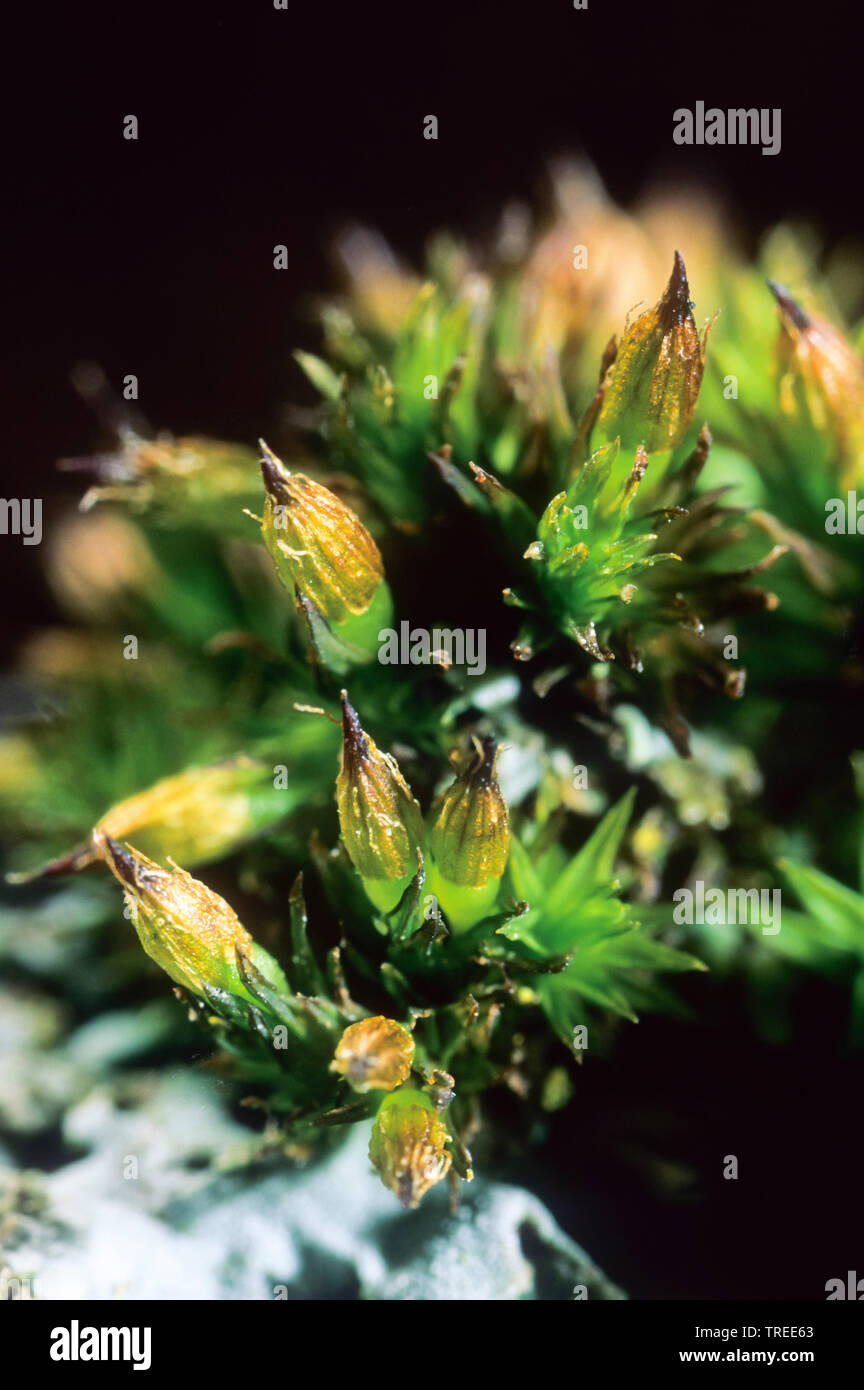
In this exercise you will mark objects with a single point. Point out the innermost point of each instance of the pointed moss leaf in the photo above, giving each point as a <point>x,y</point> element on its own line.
<point>564,1010</point>
<point>225,1004</point>
<point>515,516</point>
<point>332,650</point>
<point>633,950</point>
<point>587,980</point>
<point>593,476</point>
<point>305,975</point>
<point>585,925</point>
<point>803,940</point>
<point>468,492</point>
<point>838,908</point>
<point>595,862</point>
<point>526,883</point>
<point>270,969</point>
<point>287,1009</point>
<point>524,929</point>
<point>407,916</point>
<point>322,376</point>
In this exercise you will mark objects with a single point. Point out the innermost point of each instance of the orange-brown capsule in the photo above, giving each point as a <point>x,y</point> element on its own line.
<point>374,1054</point>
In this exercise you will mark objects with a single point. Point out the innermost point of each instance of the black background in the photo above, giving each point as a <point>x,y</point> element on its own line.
<point>260,126</point>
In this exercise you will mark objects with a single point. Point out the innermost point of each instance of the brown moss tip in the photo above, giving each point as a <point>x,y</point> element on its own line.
<point>122,862</point>
<point>273,471</point>
<point>355,744</point>
<point>789,307</point>
<point>676,304</point>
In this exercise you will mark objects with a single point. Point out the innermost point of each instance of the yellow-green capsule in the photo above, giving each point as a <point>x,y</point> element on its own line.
<point>408,1145</point>
<point>374,1054</point>
<point>470,840</point>
<point>651,390</point>
<point>200,814</point>
<point>382,824</point>
<point>184,926</point>
<point>821,383</point>
<point>321,548</point>
<point>209,479</point>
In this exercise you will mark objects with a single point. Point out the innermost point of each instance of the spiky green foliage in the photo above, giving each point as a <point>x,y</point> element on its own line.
<point>466,469</point>
<point>828,934</point>
<point>587,507</point>
<point>575,912</point>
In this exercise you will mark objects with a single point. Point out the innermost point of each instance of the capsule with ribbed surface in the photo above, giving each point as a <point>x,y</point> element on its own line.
<point>382,825</point>
<point>408,1145</point>
<point>321,548</point>
<point>821,385</point>
<point>469,840</point>
<point>186,928</point>
<point>374,1055</point>
<point>651,389</point>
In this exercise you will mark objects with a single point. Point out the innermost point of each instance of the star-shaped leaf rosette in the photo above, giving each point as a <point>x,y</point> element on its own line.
<point>396,939</point>
<point>460,934</point>
<point>629,559</point>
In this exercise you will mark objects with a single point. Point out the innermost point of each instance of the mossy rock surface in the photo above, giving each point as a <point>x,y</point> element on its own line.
<point>199,1221</point>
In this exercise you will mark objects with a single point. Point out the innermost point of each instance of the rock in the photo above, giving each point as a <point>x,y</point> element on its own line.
<point>36,1079</point>
<point>167,1205</point>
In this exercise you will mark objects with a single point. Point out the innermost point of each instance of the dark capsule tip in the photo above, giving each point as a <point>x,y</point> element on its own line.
<point>353,736</point>
<point>273,470</point>
<point>270,474</point>
<point>123,862</point>
<point>677,296</point>
<point>789,307</point>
